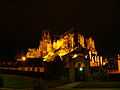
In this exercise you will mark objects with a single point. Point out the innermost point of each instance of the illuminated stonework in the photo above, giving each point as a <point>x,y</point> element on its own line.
<point>63,46</point>
<point>49,48</point>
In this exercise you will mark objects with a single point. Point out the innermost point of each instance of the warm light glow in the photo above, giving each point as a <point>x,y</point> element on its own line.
<point>118,65</point>
<point>81,37</point>
<point>90,55</point>
<point>49,57</point>
<point>95,52</point>
<point>58,44</point>
<point>75,55</point>
<point>104,63</point>
<point>95,58</point>
<point>49,48</point>
<point>90,44</point>
<point>63,45</point>
<point>23,58</point>
<point>101,60</point>
<point>45,59</point>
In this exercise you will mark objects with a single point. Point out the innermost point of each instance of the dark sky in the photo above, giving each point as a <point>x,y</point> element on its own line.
<point>21,21</point>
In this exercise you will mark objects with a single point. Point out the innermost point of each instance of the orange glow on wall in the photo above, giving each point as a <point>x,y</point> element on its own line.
<point>90,44</point>
<point>49,48</point>
<point>118,65</point>
<point>82,41</point>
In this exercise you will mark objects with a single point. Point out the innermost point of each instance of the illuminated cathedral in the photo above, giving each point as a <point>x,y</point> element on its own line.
<point>49,47</point>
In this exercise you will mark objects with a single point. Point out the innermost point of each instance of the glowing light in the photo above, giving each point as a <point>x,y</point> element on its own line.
<point>90,55</point>
<point>90,52</point>
<point>118,65</point>
<point>62,46</point>
<point>81,69</point>
<point>95,52</point>
<point>90,44</point>
<point>101,60</point>
<point>104,63</point>
<point>49,57</point>
<point>118,56</point>
<point>45,59</point>
<point>23,58</point>
<point>95,58</point>
<point>81,37</point>
<point>75,55</point>
<point>86,56</point>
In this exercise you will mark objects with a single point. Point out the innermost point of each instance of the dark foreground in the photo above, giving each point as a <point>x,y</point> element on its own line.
<point>18,82</point>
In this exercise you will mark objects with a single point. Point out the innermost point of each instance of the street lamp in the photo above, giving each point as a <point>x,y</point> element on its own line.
<point>81,68</point>
<point>23,58</point>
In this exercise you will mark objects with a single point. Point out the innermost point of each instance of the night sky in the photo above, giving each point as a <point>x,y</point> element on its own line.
<point>21,22</point>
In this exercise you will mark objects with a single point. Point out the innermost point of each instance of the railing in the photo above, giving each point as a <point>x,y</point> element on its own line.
<point>26,69</point>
